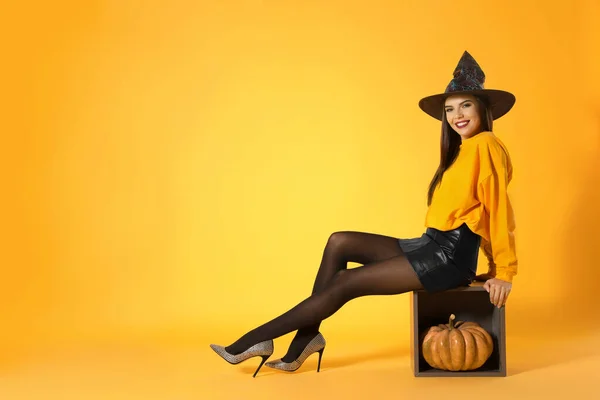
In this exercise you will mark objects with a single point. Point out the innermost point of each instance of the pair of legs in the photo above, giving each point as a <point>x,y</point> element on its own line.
<point>385,271</point>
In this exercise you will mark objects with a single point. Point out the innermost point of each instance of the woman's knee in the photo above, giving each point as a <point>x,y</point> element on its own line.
<point>338,240</point>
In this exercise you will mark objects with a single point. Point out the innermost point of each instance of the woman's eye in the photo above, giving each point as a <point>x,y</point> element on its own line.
<point>467,104</point>
<point>448,110</point>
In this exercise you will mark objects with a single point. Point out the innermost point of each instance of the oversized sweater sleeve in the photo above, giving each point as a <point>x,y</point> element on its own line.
<point>492,191</point>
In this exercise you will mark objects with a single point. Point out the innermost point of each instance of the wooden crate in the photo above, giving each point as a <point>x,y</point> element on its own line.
<point>467,304</point>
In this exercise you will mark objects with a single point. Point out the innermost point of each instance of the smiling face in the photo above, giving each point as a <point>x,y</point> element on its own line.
<point>463,115</point>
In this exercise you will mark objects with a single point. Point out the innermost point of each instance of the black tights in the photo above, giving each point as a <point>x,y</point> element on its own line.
<point>385,271</point>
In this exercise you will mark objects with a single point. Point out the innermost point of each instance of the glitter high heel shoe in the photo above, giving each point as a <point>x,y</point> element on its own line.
<point>317,344</point>
<point>262,349</point>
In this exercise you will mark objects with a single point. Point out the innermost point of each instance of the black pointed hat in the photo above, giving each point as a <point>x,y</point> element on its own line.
<point>468,79</point>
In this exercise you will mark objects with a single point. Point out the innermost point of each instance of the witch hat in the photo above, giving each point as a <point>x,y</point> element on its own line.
<point>468,79</point>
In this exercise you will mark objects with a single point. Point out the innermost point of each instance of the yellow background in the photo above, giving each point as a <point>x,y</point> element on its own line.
<point>172,170</point>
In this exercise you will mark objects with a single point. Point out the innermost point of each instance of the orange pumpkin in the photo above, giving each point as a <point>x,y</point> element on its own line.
<point>460,346</point>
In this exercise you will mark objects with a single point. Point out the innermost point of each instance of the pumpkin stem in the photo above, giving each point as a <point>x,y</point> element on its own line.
<point>451,322</point>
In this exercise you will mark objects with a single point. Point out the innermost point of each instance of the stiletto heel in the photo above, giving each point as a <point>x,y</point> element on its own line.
<point>264,358</point>
<point>320,355</point>
<point>262,349</point>
<point>316,345</point>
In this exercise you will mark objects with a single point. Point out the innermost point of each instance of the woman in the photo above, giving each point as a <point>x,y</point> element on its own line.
<point>468,209</point>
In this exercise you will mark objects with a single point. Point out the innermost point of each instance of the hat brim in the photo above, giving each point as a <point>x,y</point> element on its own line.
<point>500,102</point>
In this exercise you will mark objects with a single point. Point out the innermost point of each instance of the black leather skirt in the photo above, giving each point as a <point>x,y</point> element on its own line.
<point>443,259</point>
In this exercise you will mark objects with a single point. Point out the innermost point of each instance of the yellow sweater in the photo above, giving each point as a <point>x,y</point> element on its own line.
<point>474,191</point>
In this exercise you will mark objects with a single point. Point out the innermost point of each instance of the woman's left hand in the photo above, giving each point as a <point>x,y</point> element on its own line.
<point>498,290</point>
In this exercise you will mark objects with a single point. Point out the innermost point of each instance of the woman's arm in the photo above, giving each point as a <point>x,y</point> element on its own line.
<point>492,191</point>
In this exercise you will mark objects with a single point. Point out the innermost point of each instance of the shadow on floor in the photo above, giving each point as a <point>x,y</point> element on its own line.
<point>310,366</point>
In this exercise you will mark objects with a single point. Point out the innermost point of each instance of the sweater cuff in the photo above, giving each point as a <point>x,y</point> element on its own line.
<point>504,275</point>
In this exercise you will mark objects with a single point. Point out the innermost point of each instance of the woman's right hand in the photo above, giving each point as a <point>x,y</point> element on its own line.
<point>498,290</point>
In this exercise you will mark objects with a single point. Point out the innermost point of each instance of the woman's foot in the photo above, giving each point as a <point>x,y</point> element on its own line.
<point>315,345</point>
<point>263,350</point>
<point>299,343</point>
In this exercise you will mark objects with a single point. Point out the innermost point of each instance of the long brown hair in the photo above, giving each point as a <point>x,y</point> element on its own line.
<point>450,143</point>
